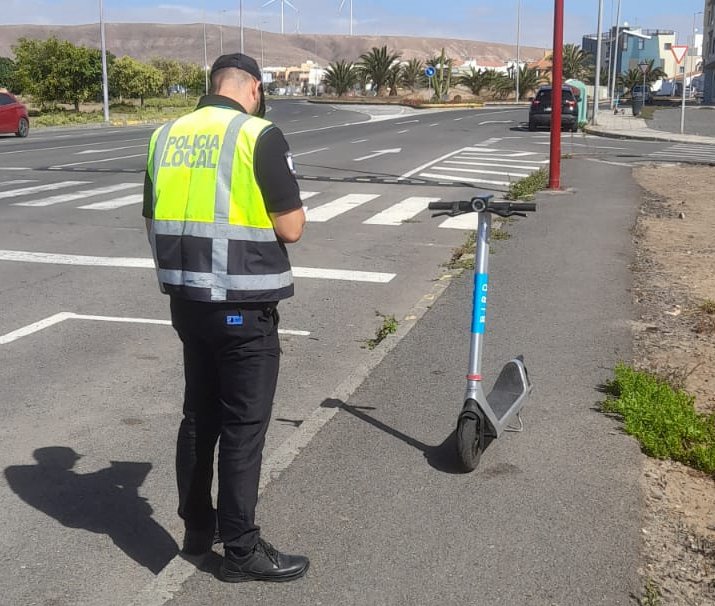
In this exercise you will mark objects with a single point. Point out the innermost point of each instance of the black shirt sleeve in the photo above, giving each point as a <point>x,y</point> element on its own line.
<point>148,206</point>
<point>273,166</point>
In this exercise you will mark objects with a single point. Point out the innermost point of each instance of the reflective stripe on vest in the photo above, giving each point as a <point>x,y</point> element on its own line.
<point>228,248</point>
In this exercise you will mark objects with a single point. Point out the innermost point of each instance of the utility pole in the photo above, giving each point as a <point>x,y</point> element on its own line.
<point>597,81</point>
<point>518,47</point>
<point>556,96</point>
<point>614,55</point>
<point>240,20</point>
<point>103,45</point>
<point>206,61</point>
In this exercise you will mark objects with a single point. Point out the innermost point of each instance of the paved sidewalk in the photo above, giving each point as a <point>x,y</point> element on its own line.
<point>625,126</point>
<point>552,515</point>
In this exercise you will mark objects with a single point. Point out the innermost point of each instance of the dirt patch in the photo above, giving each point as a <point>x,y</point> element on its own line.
<point>674,279</point>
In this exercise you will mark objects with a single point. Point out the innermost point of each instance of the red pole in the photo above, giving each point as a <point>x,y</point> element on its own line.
<point>556,96</point>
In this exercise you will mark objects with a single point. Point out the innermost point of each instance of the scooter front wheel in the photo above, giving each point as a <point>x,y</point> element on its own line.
<point>470,439</point>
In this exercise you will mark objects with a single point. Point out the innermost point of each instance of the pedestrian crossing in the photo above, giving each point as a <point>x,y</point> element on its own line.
<point>484,165</point>
<point>378,209</point>
<point>687,152</point>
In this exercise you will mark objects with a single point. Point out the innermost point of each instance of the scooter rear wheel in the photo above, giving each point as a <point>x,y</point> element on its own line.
<point>469,441</point>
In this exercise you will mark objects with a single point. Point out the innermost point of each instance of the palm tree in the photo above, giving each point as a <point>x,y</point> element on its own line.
<point>341,77</point>
<point>377,64</point>
<point>394,79</point>
<point>413,74</point>
<point>576,62</point>
<point>529,80</point>
<point>502,85</point>
<point>633,77</point>
<point>476,80</point>
<point>654,73</point>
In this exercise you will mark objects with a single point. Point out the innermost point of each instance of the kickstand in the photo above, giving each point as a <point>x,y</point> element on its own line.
<point>517,429</point>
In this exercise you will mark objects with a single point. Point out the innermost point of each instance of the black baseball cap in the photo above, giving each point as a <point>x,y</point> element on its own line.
<point>246,64</point>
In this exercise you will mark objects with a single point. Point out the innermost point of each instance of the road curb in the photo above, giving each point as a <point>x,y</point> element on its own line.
<point>665,137</point>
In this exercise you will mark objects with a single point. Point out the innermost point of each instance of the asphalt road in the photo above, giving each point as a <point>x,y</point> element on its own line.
<point>91,369</point>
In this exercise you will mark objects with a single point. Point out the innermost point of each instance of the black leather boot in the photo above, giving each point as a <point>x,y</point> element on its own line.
<point>264,563</point>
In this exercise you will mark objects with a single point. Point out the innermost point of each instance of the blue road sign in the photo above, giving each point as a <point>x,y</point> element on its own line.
<point>429,71</point>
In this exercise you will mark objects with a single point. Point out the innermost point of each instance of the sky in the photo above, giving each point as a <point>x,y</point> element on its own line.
<point>484,20</point>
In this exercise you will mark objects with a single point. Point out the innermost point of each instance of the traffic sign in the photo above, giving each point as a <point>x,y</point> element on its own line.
<point>679,52</point>
<point>430,71</point>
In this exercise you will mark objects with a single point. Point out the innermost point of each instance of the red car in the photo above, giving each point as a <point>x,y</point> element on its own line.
<point>13,115</point>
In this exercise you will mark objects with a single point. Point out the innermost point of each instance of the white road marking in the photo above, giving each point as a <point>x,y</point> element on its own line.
<point>402,132</point>
<point>148,263</point>
<point>478,170</point>
<point>468,221</point>
<point>495,122</point>
<point>380,152</point>
<point>507,153</point>
<point>307,195</point>
<point>24,191</point>
<point>97,161</point>
<point>497,159</point>
<point>66,315</point>
<point>28,151</point>
<point>360,141</point>
<point>407,122</point>
<point>458,119</point>
<point>115,203</point>
<point>408,174</point>
<point>524,167</point>
<point>17,182</point>
<point>328,211</point>
<point>400,212</point>
<point>343,274</point>
<point>464,179</point>
<point>312,151</point>
<point>111,149</point>
<point>78,195</point>
<point>14,168</point>
<point>435,124</point>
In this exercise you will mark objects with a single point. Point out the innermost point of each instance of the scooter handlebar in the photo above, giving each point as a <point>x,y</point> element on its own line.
<point>483,204</point>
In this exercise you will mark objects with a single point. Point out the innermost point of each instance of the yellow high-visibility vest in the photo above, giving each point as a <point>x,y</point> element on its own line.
<point>210,233</point>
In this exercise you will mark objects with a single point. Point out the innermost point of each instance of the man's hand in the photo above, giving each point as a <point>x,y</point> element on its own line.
<point>289,225</point>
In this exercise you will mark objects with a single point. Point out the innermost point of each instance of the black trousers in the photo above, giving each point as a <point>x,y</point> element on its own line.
<point>231,362</point>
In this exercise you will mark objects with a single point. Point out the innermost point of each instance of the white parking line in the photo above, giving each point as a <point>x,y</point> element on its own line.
<point>148,263</point>
<point>66,315</point>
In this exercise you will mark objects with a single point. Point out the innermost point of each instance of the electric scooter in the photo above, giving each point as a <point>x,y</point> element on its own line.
<point>486,417</point>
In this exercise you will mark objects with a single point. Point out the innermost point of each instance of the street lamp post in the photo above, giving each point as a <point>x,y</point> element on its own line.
<point>240,21</point>
<point>103,45</point>
<point>685,73</point>
<point>643,65</point>
<point>597,81</point>
<point>518,47</point>
<point>614,56</point>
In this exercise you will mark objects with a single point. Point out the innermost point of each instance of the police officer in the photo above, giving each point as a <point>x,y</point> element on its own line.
<point>221,200</point>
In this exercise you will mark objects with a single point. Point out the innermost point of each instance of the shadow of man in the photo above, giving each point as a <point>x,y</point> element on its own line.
<point>106,502</point>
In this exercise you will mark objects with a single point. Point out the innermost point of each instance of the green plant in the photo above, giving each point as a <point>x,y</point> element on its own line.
<point>413,74</point>
<point>341,77</point>
<point>463,256</point>
<point>475,80</point>
<point>442,79</point>
<point>651,596</point>
<point>707,306</point>
<point>526,188</point>
<point>377,66</point>
<point>663,419</point>
<point>388,327</point>
<point>500,234</point>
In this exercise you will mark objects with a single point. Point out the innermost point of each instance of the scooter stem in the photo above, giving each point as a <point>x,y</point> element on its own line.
<point>479,301</point>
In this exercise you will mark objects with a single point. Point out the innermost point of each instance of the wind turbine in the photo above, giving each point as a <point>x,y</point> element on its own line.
<point>283,3</point>
<point>351,14</point>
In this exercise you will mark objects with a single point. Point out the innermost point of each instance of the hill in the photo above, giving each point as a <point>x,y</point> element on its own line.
<point>185,42</point>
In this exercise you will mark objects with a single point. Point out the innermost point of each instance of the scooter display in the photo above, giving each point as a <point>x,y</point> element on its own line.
<point>485,417</point>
